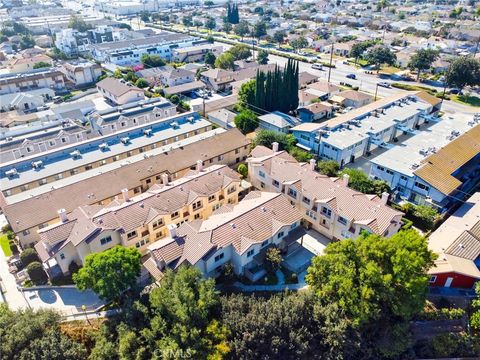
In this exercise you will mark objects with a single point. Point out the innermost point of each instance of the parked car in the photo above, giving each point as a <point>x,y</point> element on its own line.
<point>317,66</point>
<point>351,76</point>
<point>455,91</point>
<point>384,84</point>
<point>57,99</point>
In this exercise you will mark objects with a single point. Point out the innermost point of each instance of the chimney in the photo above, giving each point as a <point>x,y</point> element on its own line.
<point>165,179</point>
<point>346,179</point>
<point>62,214</point>
<point>385,197</point>
<point>172,230</point>
<point>275,146</point>
<point>199,165</point>
<point>125,195</point>
<point>313,163</point>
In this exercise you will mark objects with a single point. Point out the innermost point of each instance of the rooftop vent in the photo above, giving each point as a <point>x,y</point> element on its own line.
<point>147,132</point>
<point>103,146</point>
<point>75,154</point>
<point>125,140</point>
<point>37,164</point>
<point>11,172</point>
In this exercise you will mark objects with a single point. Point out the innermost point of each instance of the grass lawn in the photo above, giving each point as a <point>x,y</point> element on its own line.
<point>466,100</point>
<point>5,245</point>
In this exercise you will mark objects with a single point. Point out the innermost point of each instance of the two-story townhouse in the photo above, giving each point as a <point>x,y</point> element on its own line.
<point>238,234</point>
<point>139,220</point>
<point>327,205</point>
<point>119,92</point>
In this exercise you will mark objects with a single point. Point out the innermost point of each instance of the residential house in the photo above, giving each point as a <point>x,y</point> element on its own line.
<point>277,121</point>
<point>326,204</point>
<point>223,118</point>
<point>167,76</point>
<point>25,101</point>
<point>119,91</point>
<point>136,221</point>
<point>217,79</point>
<point>457,245</point>
<point>196,53</point>
<point>315,112</point>
<point>237,234</point>
<point>352,98</point>
<point>305,78</point>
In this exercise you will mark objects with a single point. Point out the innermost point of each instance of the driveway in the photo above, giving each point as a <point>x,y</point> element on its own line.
<point>13,297</point>
<point>65,299</point>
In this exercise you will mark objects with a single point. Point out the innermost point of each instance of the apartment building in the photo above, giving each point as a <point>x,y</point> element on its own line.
<point>73,42</point>
<point>457,244</point>
<point>327,205</point>
<point>119,92</point>
<point>196,53</point>
<point>436,167</point>
<point>139,220</point>
<point>59,163</point>
<point>24,64</point>
<point>238,234</point>
<point>50,78</point>
<point>82,73</point>
<point>133,114</point>
<point>54,23</point>
<point>129,52</point>
<point>361,131</point>
<point>36,208</point>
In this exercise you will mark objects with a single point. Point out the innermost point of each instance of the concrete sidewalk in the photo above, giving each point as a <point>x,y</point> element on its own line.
<point>13,296</point>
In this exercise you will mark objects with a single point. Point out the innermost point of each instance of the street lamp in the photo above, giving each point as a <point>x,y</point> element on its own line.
<point>84,308</point>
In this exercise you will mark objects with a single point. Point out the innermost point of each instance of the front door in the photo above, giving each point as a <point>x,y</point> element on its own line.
<point>448,282</point>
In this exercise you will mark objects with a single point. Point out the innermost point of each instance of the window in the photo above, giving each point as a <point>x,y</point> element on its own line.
<point>219,257</point>
<point>106,240</point>
<point>326,211</point>
<point>197,216</point>
<point>311,214</point>
<point>62,256</point>
<point>403,177</point>
<point>142,243</point>
<point>422,186</point>
<point>232,189</point>
<point>275,183</point>
<point>390,172</point>
<point>159,235</point>
<point>175,215</point>
<point>261,174</point>
<point>197,205</point>
<point>280,235</point>
<point>220,158</point>
<point>237,151</point>
<point>131,235</point>
<point>292,193</point>
<point>432,279</point>
<point>216,207</point>
<point>342,220</point>
<point>58,176</point>
<point>211,198</point>
<point>26,232</point>
<point>88,167</point>
<point>306,200</point>
<point>250,252</point>
<point>293,226</point>
<point>64,140</point>
<point>157,224</point>
<point>265,243</point>
<point>42,182</point>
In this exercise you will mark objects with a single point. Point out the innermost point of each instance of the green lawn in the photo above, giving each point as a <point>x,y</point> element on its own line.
<point>466,100</point>
<point>5,245</point>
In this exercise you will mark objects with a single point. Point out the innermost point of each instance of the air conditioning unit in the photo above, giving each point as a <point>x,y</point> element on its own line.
<point>75,154</point>
<point>125,140</point>
<point>174,125</point>
<point>37,164</point>
<point>147,132</point>
<point>191,119</point>
<point>11,172</point>
<point>103,146</point>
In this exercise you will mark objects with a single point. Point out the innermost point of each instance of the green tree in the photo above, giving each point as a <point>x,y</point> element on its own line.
<point>27,42</point>
<point>109,273</point>
<point>210,23</point>
<point>246,94</point>
<point>328,167</point>
<point>273,259</point>
<point>210,59</point>
<point>76,22</point>
<point>227,27</point>
<point>379,55</point>
<point>259,30</point>
<point>377,283</point>
<point>358,49</point>
<point>246,121</point>
<point>151,61</point>
<point>187,20</point>
<point>36,273</point>
<point>28,256</point>
<point>145,16</point>
<point>279,37</point>
<point>299,43</point>
<point>241,29</point>
<point>197,24</point>
<point>284,326</point>
<point>41,64</point>
<point>262,57</point>
<point>141,83</point>
<point>360,181</point>
<point>422,60</point>
<point>426,214</point>
<point>240,52</point>
<point>242,170</point>
<point>225,61</point>
<point>475,317</point>
<point>35,335</point>
<point>463,71</point>
<point>268,137</point>
<point>299,154</point>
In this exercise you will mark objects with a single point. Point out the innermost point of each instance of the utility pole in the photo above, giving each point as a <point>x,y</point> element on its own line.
<point>331,59</point>
<point>203,100</point>
<point>376,92</point>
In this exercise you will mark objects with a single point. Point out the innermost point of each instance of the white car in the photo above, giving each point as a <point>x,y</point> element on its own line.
<point>317,66</point>
<point>384,84</point>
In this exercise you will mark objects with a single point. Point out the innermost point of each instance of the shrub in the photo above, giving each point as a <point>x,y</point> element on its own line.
<point>29,256</point>
<point>36,273</point>
<point>242,170</point>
